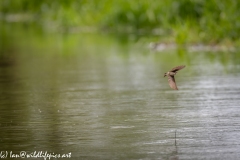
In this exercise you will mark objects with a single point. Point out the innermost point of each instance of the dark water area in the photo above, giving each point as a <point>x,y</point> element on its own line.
<point>97,98</point>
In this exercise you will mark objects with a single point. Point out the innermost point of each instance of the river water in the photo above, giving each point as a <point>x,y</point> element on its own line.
<point>96,97</point>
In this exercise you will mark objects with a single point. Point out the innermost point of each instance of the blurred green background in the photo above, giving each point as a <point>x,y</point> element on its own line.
<point>186,21</point>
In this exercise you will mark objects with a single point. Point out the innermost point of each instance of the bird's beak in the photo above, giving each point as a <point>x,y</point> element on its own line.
<point>164,74</point>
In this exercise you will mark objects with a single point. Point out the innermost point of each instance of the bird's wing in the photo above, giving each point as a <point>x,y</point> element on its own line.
<point>177,68</point>
<point>172,83</point>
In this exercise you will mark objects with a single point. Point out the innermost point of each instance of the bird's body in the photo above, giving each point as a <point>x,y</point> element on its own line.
<point>170,74</point>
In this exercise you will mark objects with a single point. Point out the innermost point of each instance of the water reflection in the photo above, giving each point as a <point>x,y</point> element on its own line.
<point>102,103</point>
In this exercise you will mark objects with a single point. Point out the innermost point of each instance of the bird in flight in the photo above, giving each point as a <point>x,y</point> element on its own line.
<point>170,74</point>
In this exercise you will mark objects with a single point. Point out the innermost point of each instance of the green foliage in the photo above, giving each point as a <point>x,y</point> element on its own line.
<point>209,21</point>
